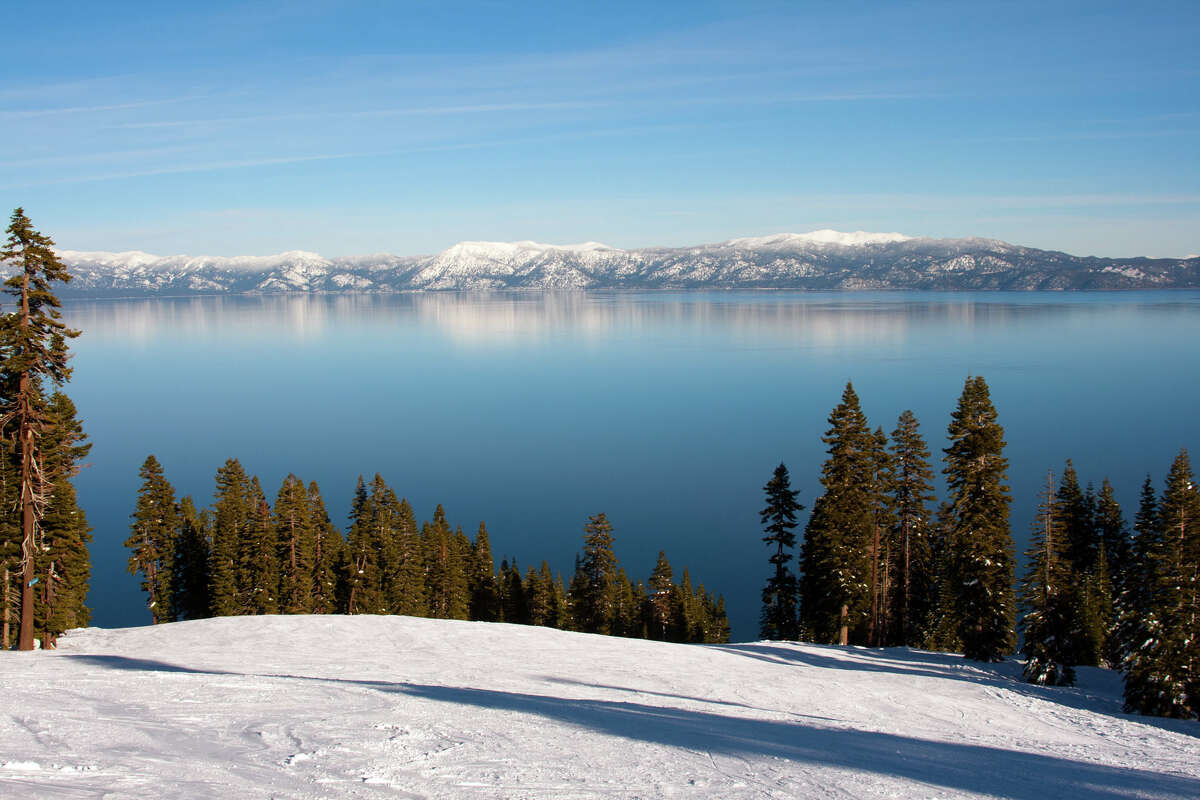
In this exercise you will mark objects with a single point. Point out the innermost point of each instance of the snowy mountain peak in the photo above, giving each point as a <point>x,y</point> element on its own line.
<point>499,251</point>
<point>821,237</point>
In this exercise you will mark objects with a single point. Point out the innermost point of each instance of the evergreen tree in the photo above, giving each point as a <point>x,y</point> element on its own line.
<point>1162,673</point>
<point>407,587</point>
<point>296,540</point>
<point>912,596</point>
<point>661,584</point>
<point>156,526</point>
<point>369,549</point>
<point>231,517</point>
<point>981,547</point>
<point>594,594</point>
<point>33,352</point>
<point>779,618</point>
<point>1046,597</point>
<point>258,557</point>
<point>513,607</point>
<point>837,565</point>
<point>481,583</point>
<point>940,629</point>
<point>1139,575</point>
<point>539,595</point>
<point>63,565</point>
<point>328,554</point>
<point>882,545</point>
<point>189,576</point>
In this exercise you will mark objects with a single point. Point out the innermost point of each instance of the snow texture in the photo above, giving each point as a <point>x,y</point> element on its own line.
<point>820,260</point>
<point>313,707</point>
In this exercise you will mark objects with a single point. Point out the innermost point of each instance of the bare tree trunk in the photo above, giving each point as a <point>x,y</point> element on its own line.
<point>844,634</point>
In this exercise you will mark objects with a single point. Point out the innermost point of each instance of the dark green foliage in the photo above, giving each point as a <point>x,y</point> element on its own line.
<point>258,557</point>
<point>153,539</point>
<point>1162,669</point>
<point>594,597</point>
<point>836,587</point>
<point>251,559</point>
<point>940,630</point>
<point>189,576</point>
<point>47,546</point>
<point>981,561</point>
<point>912,594</point>
<point>513,607</point>
<point>1049,624</point>
<point>328,560</point>
<point>779,617</point>
<point>447,556</point>
<point>231,518</point>
<point>661,584</point>
<point>481,580</point>
<point>295,537</point>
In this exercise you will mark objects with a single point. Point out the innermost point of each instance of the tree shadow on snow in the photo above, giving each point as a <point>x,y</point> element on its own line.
<point>954,766</point>
<point>902,661</point>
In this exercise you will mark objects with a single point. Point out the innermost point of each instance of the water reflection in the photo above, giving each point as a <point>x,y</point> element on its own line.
<point>496,318</point>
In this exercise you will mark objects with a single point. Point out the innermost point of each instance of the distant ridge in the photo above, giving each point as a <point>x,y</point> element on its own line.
<point>819,260</point>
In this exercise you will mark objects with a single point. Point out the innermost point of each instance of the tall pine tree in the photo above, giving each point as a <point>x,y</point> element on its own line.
<point>912,595</point>
<point>1046,597</point>
<point>779,616</point>
<point>33,353</point>
<point>981,556</point>
<point>153,539</point>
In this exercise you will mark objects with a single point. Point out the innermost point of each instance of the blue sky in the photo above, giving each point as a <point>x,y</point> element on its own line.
<point>358,127</point>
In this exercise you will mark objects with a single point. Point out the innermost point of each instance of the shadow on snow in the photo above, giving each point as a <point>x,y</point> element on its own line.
<point>955,766</point>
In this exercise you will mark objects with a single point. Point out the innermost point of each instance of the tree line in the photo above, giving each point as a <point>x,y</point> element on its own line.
<point>244,556</point>
<point>879,567</point>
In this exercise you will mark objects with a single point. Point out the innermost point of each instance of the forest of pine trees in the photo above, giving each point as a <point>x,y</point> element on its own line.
<point>245,556</point>
<point>877,568</point>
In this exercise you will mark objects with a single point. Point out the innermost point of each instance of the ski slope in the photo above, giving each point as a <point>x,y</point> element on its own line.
<point>314,707</point>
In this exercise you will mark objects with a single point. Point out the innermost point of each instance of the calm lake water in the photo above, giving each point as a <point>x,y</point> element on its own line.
<point>666,411</point>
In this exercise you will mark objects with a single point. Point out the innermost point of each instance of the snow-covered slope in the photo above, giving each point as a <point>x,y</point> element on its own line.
<point>314,707</point>
<point>823,259</point>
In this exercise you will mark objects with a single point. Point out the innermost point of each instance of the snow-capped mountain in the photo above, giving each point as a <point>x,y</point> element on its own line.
<point>822,259</point>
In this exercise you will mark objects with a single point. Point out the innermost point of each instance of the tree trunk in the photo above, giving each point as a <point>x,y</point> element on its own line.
<point>7,608</point>
<point>844,633</point>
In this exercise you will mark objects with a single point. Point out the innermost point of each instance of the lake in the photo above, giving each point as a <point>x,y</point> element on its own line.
<point>667,411</point>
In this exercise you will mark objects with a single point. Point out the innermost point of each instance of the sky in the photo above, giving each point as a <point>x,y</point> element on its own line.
<point>355,127</point>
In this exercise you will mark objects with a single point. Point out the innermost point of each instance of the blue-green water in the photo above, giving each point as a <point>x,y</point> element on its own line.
<point>666,411</point>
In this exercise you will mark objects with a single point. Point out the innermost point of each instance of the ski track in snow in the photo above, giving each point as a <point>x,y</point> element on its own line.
<point>313,707</point>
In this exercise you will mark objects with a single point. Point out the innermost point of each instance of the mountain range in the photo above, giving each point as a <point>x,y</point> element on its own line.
<point>821,260</point>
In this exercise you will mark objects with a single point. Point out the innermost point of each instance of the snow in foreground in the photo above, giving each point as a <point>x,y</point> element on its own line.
<point>401,707</point>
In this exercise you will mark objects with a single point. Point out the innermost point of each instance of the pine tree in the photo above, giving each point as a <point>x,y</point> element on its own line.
<point>258,557</point>
<point>1114,538</point>
<point>33,352</point>
<point>594,599</point>
<point>296,541</point>
<point>190,563</point>
<point>513,607</point>
<point>407,587</point>
<point>1046,597</point>
<point>661,583</point>
<point>368,546</point>
<point>328,554</point>
<point>981,548</point>
<point>481,582</point>
<point>1162,671</point>
<point>231,516</point>
<point>1138,576</point>
<point>779,617</point>
<point>837,566</point>
<point>882,546</point>
<point>912,596</point>
<point>63,564</point>
<point>152,538</point>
